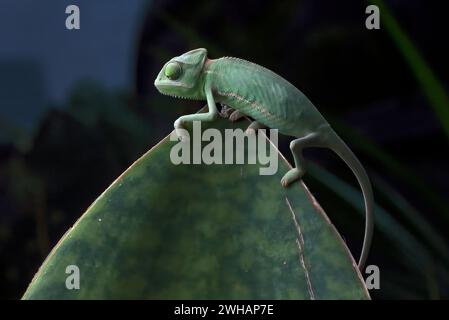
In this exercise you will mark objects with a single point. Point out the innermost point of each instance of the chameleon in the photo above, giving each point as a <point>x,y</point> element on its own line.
<point>259,93</point>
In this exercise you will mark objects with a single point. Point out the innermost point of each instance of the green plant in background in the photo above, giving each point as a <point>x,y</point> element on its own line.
<point>199,232</point>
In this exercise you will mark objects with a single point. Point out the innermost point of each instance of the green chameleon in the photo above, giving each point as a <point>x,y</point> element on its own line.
<point>270,100</point>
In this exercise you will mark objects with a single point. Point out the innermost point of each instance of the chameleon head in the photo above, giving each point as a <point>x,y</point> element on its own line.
<point>182,77</point>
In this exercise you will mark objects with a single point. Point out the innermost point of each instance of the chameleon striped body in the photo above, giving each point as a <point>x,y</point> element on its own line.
<point>271,101</point>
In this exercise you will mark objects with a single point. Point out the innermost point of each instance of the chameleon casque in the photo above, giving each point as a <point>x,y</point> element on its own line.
<point>271,101</point>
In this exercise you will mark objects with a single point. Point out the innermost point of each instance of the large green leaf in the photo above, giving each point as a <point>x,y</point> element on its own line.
<point>201,232</point>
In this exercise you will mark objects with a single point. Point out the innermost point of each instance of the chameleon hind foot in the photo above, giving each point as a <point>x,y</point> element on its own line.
<point>253,127</point>
<point>291,176</point>
<point>236,115</point>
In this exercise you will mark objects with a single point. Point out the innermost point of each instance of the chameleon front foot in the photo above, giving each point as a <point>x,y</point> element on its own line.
<point>291,176</point>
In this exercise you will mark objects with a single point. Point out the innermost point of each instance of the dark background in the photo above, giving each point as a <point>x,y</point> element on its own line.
<point>77,107</point>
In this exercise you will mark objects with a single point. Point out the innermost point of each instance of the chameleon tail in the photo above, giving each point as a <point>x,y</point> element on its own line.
<point>342,150</point>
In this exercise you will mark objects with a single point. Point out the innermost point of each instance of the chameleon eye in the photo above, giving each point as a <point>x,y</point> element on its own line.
<point>173,70</point>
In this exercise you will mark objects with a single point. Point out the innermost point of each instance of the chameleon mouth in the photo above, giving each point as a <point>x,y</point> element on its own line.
<point>165,87</point>
<point>170,84</point>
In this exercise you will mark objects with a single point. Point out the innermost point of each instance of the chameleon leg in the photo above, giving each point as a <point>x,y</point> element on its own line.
<point>297,146</point>
<point>253,127</point>
<point>236,115</point>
